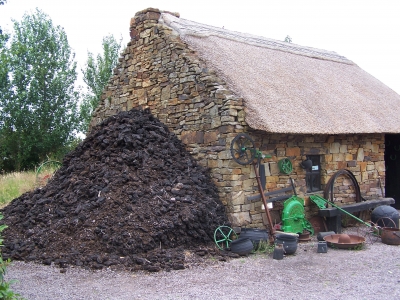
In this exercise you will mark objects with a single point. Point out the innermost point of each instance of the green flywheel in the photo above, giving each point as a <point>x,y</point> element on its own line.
<point>285,166</point>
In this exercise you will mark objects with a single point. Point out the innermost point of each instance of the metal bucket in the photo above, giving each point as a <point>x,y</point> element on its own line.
<point>390,236</point>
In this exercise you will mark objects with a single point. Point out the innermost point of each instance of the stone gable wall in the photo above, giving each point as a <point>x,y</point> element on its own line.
<point>158,71</point>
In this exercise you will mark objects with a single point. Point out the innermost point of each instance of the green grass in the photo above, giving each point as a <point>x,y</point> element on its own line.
<point>264,247</point>
<point>13,185</point>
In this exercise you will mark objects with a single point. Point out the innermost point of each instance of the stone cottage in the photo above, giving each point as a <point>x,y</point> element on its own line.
<point>209,84</point>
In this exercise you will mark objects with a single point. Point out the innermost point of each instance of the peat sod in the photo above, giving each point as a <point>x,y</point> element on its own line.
<point>129,196</point>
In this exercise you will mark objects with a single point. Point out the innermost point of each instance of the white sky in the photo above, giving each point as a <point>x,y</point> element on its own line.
<point>364,31</point>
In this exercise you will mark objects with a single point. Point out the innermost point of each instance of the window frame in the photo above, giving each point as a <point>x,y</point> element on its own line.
<point>313,175</point>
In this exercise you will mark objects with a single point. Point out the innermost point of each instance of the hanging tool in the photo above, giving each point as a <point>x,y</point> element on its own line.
<point>243,152</point>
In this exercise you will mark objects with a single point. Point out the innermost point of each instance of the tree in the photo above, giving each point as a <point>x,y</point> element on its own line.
<point>39,115</point>
<point>2,2</point>
<point>96,74</point>
<point>4,67</point>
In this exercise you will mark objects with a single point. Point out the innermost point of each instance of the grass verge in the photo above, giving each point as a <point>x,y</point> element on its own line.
<point>13,185</point>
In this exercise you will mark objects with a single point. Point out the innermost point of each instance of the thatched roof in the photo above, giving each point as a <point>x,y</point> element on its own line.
<point>289,88</point>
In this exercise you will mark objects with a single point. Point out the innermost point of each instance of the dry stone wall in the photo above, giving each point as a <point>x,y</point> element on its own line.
<point>363,155</point>
<point>159,71</point>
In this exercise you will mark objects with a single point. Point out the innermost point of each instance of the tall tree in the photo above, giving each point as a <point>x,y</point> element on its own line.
<point>2,2</point>
<point>39,116</point>
<point>96,74</point>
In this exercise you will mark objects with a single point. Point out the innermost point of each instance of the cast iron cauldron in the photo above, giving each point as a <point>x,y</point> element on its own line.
<point>289,242</point>
<point>241,246</point>
<point>385,216</point>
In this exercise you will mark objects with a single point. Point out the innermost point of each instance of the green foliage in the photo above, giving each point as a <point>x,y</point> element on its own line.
<point>264,247</point>
<point>5,291</point>
<point>4,69</point>
<point>38,114</point>
<point>96,74</point>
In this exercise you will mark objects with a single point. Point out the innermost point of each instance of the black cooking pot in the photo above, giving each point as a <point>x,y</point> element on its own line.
<point>289,242</point>
<point>385,216</point>
<point>241,246</point>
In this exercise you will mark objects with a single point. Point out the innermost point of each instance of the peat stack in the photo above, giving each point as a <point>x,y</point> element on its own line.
<point>129,195</point>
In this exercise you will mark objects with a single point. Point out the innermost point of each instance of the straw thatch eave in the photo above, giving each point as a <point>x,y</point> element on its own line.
<point>289,88</point>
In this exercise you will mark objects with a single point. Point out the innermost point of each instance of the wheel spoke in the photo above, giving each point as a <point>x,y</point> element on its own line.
<point>222,233</point>
<point>221,241</point>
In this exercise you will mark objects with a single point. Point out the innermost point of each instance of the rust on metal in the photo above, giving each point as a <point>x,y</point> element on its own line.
<point>260,189</point>
<point>344,241</point>
<point>390,236</point>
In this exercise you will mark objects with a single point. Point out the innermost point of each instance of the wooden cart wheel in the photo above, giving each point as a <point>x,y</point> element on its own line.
<point>242,149</point>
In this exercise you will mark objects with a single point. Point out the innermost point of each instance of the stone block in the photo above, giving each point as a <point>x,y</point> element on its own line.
<point>215,122</point>
<point>192,137</point>
<point>227,119</point>
<point>236,171</point>
<point>236,208</point>
<point>274,168</point>
<point>267,170</point>
<point>360,154</point>
<point>238,198</point>
<point>210,137</point>
<point>257,217</point>
<point>231,177</point>
<point>248,183</point>
<point>375,148</point>
<point>226,154</point>
<point>338,157</point>
<point>165,93</point>
<point>380,166</point>
<point>363,166</point>
<point>364,176</point>
<point>240,218</point>
<point>212,163</point>
<point>343,149</point>
<point>352,163</point>
<point>334,148</point>
<point>280,152</point>
<point>295,151</point>
<point>348,156</point>
<point>248,207</point>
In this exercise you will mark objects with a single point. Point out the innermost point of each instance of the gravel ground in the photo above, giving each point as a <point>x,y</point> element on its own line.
<point>372,272</point>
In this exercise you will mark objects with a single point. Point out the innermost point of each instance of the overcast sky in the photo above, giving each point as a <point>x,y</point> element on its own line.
<point>364,31</point>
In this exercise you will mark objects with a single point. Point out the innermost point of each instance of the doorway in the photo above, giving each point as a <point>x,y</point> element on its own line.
<point>392,164</point>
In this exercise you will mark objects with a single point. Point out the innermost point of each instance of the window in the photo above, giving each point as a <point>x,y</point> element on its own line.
<point>313,174</point>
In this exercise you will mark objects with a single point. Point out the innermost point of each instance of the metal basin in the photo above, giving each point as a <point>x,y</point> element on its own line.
<point>344,241</point>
